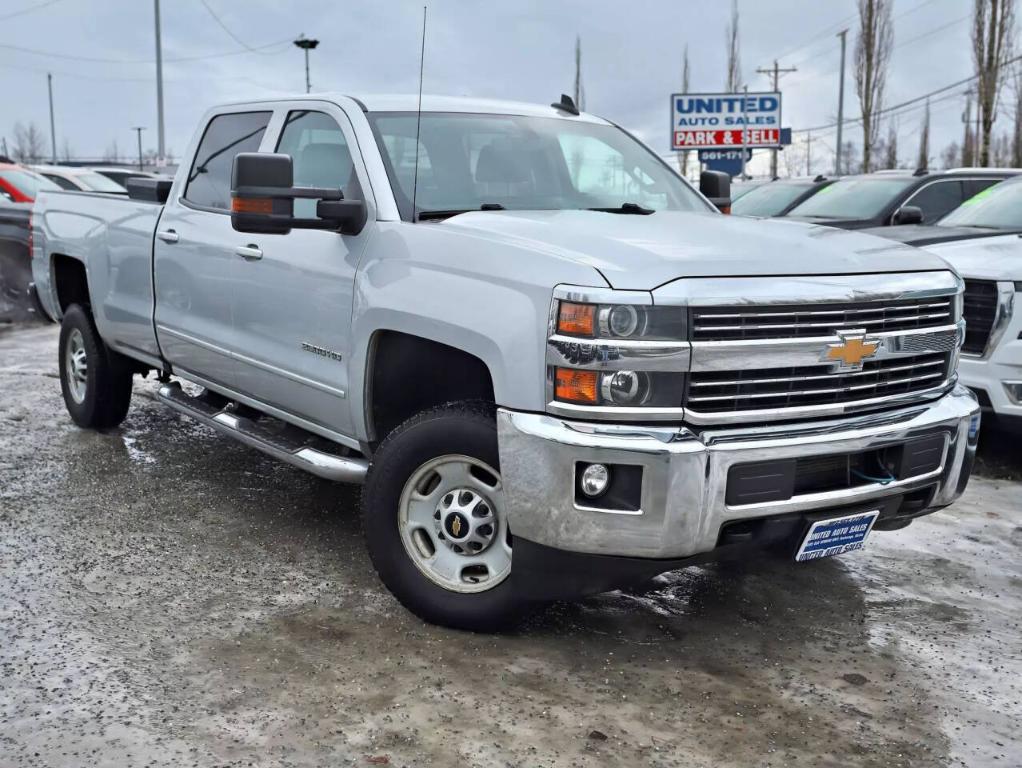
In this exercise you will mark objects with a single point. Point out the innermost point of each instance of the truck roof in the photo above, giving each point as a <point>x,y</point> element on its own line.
<point>392,102</point>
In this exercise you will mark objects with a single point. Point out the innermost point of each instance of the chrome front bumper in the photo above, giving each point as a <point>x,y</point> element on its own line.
<point>685,474</point>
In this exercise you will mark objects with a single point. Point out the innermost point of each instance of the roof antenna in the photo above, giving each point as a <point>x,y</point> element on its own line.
<point>418,117</point>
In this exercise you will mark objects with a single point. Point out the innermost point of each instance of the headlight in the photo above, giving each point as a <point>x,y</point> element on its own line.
<point>626,389</point>
<point>621,321</point>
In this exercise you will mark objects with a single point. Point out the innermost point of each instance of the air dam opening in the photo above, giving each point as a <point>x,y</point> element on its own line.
<point>781,479</point>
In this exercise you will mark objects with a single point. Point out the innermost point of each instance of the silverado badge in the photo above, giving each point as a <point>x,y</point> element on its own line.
<point>849,354</point>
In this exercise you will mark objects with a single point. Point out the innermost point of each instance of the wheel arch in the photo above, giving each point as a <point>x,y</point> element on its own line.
<point>407,373</point>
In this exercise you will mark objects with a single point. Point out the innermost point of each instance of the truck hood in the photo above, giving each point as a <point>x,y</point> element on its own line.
<point>988,258</point>
<point>644,252</point>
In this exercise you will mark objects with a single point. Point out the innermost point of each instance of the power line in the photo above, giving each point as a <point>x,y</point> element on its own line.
<point>101,60</point>
<point>923,97</point>
<point>30,9</point>
<point>230,34</point>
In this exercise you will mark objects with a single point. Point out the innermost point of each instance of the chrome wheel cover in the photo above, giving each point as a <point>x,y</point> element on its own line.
<point>453,526</point>
<point>76,366</point>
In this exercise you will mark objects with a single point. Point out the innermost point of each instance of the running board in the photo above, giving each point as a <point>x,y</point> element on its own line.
<point>344,469</point>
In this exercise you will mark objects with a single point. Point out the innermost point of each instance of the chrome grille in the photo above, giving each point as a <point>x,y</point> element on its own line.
<point>803,320</point>
<point>979,310</point>
<point>744,390</point>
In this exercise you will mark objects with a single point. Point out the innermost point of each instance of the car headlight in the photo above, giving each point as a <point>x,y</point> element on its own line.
<point>621,321</point>
<point>625,389</point>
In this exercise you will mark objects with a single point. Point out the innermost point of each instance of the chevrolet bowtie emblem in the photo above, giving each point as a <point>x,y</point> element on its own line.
<point>851,351</point>
<point>456,526</point>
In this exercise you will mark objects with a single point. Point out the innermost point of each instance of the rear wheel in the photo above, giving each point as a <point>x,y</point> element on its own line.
<point>95,380</point>
<point>435,519</point>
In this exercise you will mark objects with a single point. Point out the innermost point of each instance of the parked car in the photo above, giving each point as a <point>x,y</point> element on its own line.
<point>553,380</point>
<point>982,240</point>
<point>121,175</point>
<point>15,266</point>
<point>20,185</point>
<point>79,179</point>
<point>896,197</point>
<point>742,187</point>
<point>779,196</point>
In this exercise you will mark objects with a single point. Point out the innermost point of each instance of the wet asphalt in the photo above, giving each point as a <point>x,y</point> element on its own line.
<point>171,598</point>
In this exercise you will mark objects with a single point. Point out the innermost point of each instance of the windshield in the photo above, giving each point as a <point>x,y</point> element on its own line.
<point>28,183</point>
<point>996,207</point>
<point>467,161</point>
<point>769,199</point>
<point>97,182</point>
<point>860,197</point>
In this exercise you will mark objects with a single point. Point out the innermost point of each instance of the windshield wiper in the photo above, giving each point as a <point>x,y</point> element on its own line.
<point>631,208</point>
<point>438,215</point>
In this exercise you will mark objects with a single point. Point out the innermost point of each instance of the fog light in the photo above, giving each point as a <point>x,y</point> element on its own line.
<point>1014,390</point>
<point>595,479</point>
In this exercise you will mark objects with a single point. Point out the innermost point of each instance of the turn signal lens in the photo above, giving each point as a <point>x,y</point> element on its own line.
<point>576,319</point>
<point>576,386</point>
<point>252,205</point>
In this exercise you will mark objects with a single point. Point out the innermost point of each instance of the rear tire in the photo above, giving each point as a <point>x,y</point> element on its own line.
<point>95,380</point>
<point>435,522</point>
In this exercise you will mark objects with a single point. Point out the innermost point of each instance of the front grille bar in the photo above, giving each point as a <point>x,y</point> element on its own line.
<point>821,377</point>
<point>817,312</point>
<point>811,392</point>
<point>780,326</point>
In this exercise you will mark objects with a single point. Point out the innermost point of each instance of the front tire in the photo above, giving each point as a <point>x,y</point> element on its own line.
<point>435,519</point>
<point>95,380</point>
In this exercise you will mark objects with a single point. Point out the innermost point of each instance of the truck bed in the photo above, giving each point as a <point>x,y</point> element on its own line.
<point>113,237</point>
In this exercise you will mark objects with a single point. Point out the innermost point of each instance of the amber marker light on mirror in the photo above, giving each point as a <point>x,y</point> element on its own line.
<point>251,205</point>
<point>576,319</point>
<point>576,386</point>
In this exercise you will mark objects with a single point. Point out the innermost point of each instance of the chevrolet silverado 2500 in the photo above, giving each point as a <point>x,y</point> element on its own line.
<point>556,366</point>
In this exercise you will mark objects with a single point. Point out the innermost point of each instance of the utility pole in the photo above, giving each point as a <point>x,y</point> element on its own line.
<point>776,72</point>
<point>160,147</point>
<point>840,105</point>
<point>745,117</point>
<point>53,132</point>
<point>306,45</point>
<point>809,154</point>
<point>138,130</point>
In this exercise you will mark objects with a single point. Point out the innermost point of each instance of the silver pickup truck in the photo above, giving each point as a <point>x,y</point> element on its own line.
<point>555,365</point>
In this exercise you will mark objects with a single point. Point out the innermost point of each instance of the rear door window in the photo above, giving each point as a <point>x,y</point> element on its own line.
<point>209,180</point>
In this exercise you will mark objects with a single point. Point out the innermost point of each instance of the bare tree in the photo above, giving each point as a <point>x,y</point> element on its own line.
<point>112,154</point>
<point>1016,128</point>
<point>580,93</point>
<point>890,158</point>
<point>968,157</point>
<point>923,160</point>
<point>66,153</point>
<point>950,155</point>
<point>850,158</point>
<point>872,55</point>
<point>993,27</point>
<point>683,155</point>
<point>734,59</point>
<point>29,143</point>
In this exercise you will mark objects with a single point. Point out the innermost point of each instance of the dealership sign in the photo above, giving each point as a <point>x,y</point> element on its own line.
<point>717,120</point>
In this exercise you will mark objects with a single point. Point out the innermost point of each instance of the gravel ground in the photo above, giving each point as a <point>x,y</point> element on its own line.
<point>171,598</point>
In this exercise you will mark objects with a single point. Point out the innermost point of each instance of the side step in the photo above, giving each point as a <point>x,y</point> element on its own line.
<point>295,451</point>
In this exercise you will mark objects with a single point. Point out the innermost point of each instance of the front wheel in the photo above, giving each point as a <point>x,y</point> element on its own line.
<point>95,380</point>
<point>435,519</point>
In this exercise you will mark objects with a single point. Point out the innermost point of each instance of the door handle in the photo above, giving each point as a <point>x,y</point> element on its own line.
<point>249,252</point>
<point>167,235</point>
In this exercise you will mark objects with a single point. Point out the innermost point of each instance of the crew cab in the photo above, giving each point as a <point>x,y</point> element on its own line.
<point>557,368</point>
<point>982,240</point>
<point>887,198</point>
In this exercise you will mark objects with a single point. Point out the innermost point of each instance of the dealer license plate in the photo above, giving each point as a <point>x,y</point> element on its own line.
<point>837,535</point>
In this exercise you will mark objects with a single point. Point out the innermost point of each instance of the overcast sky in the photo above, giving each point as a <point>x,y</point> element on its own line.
<point>101,55</point>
